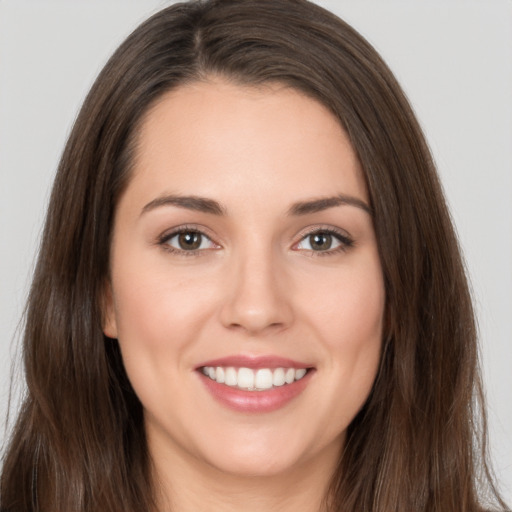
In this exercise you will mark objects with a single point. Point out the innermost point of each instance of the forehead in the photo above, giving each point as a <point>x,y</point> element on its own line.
<point>218,137</point>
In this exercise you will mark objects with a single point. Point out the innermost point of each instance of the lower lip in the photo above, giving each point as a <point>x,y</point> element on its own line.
<point>256,401</point>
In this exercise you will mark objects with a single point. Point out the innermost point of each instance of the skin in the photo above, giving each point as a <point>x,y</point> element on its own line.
<point>254,287</point>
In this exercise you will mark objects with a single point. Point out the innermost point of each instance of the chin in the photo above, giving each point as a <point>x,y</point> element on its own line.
<point>265,457</point>
<point>260,467</point>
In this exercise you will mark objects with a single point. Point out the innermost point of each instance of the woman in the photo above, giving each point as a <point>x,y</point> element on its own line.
<point>256,299</point>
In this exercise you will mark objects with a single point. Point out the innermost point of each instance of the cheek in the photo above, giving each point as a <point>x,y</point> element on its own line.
<point>356,329</point>
<point>155,301</point>
<point>358,319</point>
<point>348,308</point>
<point>159,315</point>
<point>348,316</point>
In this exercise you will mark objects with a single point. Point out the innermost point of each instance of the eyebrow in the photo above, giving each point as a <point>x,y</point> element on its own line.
<point>205,205</point>
<point>199,204</point>
<point>324,203</point>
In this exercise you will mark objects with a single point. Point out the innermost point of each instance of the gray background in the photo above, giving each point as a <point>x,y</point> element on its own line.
<point>453,58</point>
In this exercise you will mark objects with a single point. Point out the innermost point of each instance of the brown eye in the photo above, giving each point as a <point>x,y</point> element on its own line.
<point>320,241</point>
<point>189,240</point>
<point>324,241</point>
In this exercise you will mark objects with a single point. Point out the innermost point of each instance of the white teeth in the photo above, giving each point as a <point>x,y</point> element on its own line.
<point>278,377</point>
<point>263,379</point>
<point>245,378</point>
<point>253,380</point>
<point>231,377</point>
<point>300,373</point>
<point>220,378</point>
<point>289,376</point>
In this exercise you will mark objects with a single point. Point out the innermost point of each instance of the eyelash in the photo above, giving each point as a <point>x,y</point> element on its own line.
<point>164,239</point>
<point>345,241</point>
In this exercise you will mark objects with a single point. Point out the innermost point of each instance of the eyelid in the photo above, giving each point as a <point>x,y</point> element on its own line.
<point>163,239</point>
<point>345,239</point>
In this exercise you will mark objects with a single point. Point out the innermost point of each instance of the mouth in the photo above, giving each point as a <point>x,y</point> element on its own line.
<point>249,379</point>
<point>255,384</point>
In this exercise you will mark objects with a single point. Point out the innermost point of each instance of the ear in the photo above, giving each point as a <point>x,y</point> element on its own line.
<point>108,313</point>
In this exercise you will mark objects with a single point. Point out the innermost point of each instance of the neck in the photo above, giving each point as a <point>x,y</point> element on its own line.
<point>185,484</point>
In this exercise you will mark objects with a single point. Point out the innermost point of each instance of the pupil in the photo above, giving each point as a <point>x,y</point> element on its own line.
<point>321,241</point>
<point>189,241</point>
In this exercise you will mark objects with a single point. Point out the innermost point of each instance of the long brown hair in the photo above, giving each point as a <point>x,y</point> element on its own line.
<point>418,444</point>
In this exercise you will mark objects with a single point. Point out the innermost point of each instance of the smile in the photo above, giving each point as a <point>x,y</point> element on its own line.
<point>248,379</point>
<point>255,383</point>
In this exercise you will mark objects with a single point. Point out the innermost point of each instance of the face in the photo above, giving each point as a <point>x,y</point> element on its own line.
<point>246,289</point>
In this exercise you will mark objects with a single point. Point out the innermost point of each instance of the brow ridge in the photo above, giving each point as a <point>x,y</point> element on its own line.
<point>196,203</point>
<point>206,205</point>
<point>324,203</point>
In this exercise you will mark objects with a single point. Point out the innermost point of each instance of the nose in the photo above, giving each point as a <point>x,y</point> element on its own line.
<point>257,298</point>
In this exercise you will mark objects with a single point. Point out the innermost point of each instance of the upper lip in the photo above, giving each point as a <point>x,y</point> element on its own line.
<point>255,362</point>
